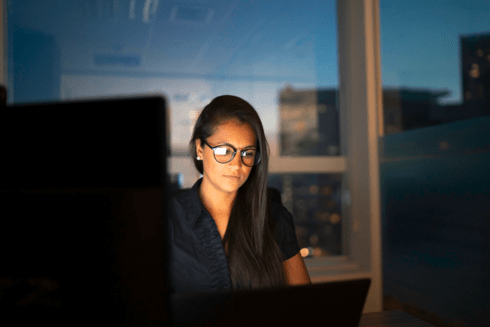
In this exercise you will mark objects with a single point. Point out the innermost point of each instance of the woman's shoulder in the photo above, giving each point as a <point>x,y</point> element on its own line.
<point>184,195</point>
<point>180,204</point>
<point>280,212</point>
<point>179,194</point>
<point>180,199</point>
<point>184,201</point>
<point>285,231</point>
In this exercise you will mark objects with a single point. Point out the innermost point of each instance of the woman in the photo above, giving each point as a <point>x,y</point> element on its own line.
<point>224,232</point>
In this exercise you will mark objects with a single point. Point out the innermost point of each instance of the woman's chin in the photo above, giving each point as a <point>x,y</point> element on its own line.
<point>230,185</point>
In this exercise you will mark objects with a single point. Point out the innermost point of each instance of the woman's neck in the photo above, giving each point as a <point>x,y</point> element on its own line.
<point>218,203</point>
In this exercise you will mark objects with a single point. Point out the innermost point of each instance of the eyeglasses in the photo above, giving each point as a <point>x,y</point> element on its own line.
<point>226,153</point>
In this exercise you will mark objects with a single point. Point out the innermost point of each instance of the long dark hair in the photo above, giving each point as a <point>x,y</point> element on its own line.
<point>254,258</point>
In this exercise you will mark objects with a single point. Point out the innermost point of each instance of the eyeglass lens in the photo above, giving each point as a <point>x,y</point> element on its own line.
<point>224,154</point>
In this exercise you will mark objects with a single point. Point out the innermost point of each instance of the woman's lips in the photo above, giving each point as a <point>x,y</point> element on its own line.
<point>233,177</point>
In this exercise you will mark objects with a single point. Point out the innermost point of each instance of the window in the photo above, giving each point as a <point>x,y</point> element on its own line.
<point>433,167</point>
<point>285,64</point>
<point>438,77</point>
<point>280,56</point>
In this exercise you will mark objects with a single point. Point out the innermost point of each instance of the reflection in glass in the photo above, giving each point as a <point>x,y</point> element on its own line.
<point>315,203</point>
<point>434,165</point>
<point>438,77</point>
<point>309,122</point>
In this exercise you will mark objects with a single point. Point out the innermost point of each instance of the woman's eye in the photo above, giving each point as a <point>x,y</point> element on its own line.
<point>249,154</point>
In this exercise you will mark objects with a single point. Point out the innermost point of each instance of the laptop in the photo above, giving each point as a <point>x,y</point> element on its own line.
<point>327,304</point>
<point>82,205</point>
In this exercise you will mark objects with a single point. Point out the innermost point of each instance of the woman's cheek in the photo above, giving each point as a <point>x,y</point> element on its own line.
<point>247,177</point>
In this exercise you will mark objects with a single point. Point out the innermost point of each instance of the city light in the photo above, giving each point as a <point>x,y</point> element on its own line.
<point>475,72</point>
<point>334,218</point>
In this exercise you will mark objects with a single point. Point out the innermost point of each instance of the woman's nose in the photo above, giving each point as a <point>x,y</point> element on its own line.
<point>237,161</point>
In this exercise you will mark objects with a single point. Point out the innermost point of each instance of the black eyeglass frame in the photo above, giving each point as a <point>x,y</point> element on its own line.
<point>242,152</point>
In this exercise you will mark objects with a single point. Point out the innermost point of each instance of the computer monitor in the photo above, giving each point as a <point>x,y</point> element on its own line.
<point>83,202</point>
<point>83,189</point>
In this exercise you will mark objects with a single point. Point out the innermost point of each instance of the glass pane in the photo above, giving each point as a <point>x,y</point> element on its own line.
<point>434,175</point>
<point>281,56</point>
<point>436,77</point>
<point>309,122</point>
<point>315,203</point>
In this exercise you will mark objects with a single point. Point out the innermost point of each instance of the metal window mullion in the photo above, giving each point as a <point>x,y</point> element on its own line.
<point>358,103</point>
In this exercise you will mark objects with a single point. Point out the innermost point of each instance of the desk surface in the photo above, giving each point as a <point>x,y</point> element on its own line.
<point>391,318</point>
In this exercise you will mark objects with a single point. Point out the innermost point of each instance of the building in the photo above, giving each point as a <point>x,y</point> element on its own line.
<point>310,118</point>
<point>309,122</point>
<point>475,65</point>
<point>410,108</point>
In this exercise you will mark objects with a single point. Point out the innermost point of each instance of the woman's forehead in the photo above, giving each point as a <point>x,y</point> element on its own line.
<point>234,132</point>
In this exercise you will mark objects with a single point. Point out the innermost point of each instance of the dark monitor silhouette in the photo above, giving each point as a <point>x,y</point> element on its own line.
<point>83,189</point>
<point>330,304</point>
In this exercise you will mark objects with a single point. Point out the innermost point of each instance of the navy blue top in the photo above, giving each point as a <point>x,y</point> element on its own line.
<point>197,258</point>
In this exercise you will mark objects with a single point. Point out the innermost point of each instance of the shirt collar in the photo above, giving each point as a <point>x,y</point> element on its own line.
<point>194,204</point>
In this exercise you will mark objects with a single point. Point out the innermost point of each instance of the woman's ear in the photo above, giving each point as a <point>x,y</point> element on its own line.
<point>199,150</point>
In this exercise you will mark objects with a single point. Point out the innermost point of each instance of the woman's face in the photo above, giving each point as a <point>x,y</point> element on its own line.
<point>230,176</point>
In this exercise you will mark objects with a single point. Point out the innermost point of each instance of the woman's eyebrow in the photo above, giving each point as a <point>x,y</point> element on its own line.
<point>247,147</point>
